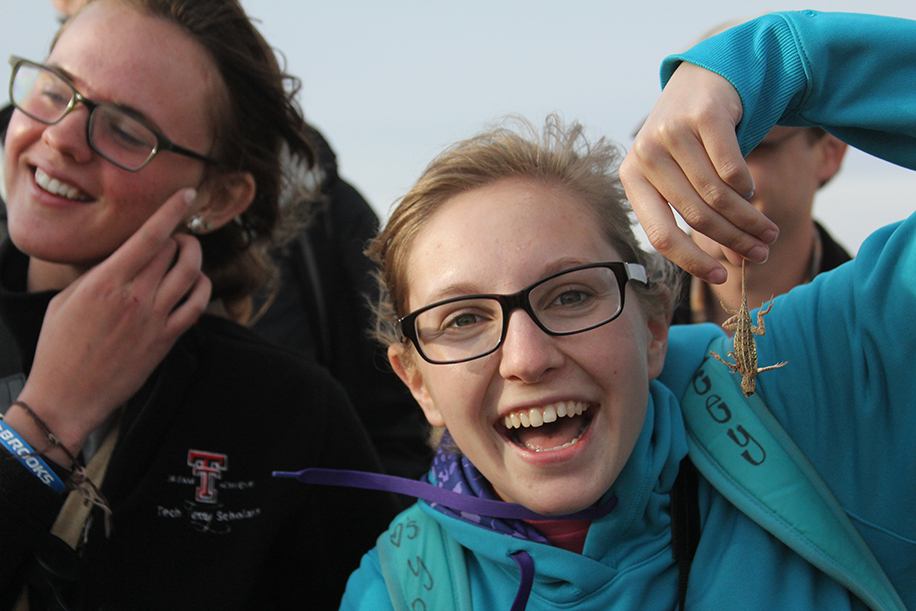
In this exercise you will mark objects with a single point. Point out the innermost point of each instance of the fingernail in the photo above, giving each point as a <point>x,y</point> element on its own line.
<point>189,196</point>
<point>769,236</point>
<point>759,254</point>
<point>716,276</point>
<point>750,193</point>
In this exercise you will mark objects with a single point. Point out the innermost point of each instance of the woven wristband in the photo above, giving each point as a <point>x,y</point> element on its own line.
<point>18,447</point>
<point>78,479</point>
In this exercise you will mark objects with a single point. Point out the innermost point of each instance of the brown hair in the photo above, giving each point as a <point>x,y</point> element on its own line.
<point>557,155</point>
<point>260,130</point>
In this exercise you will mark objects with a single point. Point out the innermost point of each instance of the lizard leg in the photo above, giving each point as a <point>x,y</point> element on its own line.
<point>732,367</point>
<point>728,309</point>
<point>776,366</point>
<point>731,324</point>
<point>760,329</point>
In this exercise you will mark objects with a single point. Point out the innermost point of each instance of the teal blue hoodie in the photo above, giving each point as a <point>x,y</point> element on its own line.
<point>847,397</point>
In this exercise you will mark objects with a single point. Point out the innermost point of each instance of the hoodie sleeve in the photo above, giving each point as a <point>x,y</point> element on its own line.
<point>846,395</point>
<point>366,589</point>
<point>851,74</point>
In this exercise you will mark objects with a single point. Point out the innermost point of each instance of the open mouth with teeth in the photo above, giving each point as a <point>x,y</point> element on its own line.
<point>549,428</point>
<point>56,187</point>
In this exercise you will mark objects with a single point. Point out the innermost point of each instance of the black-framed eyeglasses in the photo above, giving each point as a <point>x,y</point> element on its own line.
<point>112,132</point>
<point>571,301</point>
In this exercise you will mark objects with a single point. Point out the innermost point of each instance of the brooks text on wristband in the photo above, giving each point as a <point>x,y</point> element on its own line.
<point>17,446</point>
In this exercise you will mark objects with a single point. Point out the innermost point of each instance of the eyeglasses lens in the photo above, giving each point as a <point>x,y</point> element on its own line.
<point>113,134</point>
<point>575,301</point>
<point>120,138</point>
<point>40,93</point>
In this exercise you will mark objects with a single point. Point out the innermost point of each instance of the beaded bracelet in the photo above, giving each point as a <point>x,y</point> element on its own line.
<point>18,447</point>
<point>78,479</point>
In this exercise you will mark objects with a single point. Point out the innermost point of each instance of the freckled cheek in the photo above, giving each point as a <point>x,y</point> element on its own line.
<point>134,196</point>
<point>624,378</point>
<point>447,395</point>
<point>8,168</point>
<point>479,377</point>
<point>462,394</point>
<point>606,363</point>
<point>16,138</point>
<point>16,176</point>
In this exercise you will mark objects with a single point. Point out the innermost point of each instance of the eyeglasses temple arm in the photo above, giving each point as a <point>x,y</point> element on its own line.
<point>635,271</point>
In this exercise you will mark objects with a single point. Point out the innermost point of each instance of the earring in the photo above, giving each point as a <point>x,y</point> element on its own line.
<point>199,225</point>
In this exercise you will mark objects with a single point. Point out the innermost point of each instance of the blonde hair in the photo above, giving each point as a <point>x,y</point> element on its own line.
<point>557,154</point>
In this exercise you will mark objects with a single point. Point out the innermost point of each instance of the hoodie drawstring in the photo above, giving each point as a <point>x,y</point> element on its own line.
<point>526,565</point>
<point>457,502</point>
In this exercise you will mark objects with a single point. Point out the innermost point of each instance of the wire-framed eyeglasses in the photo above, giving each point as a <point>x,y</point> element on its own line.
<point>113,132</point>
<point>571,301</point>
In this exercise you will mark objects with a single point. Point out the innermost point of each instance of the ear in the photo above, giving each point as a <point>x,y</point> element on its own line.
<point>224,197</point>
<point>67,8</point>
<point>411,377</point>
<point>657,348</point>
<point>832,151</point>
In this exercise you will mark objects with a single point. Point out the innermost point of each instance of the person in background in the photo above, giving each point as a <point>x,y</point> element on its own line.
<point>788,167</point>
<point>144,164</point>
<point>322,307</point>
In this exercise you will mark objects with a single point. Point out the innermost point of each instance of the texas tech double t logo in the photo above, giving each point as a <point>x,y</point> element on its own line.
<point>208,467</point>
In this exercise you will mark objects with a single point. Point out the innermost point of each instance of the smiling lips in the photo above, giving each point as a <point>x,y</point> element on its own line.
<point>56,187</point>
<point>544,429</point>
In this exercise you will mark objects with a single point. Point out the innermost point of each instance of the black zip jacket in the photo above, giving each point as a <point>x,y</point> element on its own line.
<point>198,520</point>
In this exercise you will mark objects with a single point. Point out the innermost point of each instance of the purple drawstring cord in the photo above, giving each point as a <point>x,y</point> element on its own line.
<point>454,500</point>
<point>435,494</point>
<point>526,565</point>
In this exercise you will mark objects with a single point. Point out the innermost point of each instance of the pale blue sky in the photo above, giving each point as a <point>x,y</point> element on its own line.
<point>390,83</point>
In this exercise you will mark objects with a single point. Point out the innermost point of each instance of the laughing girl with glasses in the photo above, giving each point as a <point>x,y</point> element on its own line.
<point>560,480</point>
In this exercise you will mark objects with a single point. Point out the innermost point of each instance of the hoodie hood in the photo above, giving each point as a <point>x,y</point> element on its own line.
<point>631,539</point>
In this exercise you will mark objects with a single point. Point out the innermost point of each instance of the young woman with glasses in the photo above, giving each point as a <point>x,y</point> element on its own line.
<point>149,121</point>
<point>533,330</point>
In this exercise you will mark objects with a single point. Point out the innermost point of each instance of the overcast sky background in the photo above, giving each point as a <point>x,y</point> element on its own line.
<point>391,83</point>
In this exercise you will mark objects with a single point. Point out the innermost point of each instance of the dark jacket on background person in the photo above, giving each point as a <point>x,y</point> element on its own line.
<point>322,309</point>
<point>831,255</point>
<point>198,520</point>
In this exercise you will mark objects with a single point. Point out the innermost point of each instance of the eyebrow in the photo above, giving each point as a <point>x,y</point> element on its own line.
<point>458,289</point>
<point>467,289</point>
<point>135,113</point>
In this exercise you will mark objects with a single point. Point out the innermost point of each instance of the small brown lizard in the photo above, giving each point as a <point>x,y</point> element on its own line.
<point>745,348</point>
